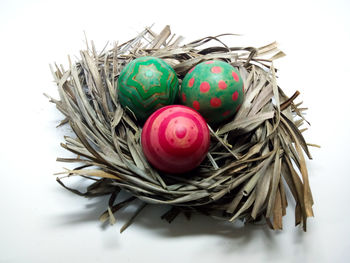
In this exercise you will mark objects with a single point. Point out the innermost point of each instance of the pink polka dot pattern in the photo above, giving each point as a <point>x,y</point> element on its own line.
<point>235,76</point>
<point>204,87</point>
<point>191,70</point>
<point>222,84</point>
<point>183,97</point>
<point>215,89</point>
<point>235,96</point>
<point>216,70</point>
<point>215,102</point>
<point>226,113</point>
<point>196,105</point>
<point>190,83</point>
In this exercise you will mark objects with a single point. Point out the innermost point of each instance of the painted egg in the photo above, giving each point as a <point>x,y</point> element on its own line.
<point>215,89</point>
<point>147,84</point>
<point>175,139</point>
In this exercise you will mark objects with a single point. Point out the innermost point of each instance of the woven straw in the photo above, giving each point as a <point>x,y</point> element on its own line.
<point>253,158</point>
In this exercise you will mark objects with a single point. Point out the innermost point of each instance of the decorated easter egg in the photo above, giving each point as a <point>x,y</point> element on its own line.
<point>215,89</point>
<point>175,139</point>
<point>147,84</point>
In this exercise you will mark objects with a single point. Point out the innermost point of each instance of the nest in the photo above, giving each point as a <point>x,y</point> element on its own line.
<point>253,160</point>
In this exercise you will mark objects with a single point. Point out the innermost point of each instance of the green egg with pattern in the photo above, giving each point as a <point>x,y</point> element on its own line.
<point>215,89</point>
<point>147,84</point>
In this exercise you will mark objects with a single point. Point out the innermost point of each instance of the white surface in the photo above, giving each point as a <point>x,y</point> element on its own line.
<point>41,222</point>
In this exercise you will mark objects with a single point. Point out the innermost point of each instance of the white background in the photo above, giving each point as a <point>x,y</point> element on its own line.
<point>42,222</point>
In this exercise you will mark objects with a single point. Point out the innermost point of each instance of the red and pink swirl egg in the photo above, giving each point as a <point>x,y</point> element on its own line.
<point>175,139</point>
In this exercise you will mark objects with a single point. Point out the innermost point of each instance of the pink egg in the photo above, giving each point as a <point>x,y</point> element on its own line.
<point>175,139</point>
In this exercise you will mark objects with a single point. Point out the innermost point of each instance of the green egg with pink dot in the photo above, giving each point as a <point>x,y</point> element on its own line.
<point>215,89</point>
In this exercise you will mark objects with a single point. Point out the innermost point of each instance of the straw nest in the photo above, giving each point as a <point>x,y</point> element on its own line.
<point>253,159</point>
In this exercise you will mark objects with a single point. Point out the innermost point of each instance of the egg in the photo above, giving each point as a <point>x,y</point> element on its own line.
<point>147,84</point>
<point>215,89</point>
<point>175,139</point>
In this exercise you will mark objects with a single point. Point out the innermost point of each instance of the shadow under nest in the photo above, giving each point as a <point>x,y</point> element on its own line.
<point>253,158</point>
